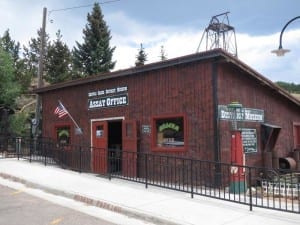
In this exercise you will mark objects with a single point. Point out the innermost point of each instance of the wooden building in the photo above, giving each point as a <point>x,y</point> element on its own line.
<point>176,107</point>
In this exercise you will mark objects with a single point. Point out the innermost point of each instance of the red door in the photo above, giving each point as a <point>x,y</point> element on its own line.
<point>99,143</point>
<point>129,148</point>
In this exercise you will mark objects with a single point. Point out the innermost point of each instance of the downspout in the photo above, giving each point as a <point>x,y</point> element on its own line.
<point>216,130</point>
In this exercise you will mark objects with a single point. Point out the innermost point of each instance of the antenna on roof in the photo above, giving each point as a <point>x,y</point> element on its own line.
<point>219,34</point>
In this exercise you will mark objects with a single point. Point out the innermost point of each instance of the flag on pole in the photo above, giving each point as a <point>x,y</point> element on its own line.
<point>60,110</point>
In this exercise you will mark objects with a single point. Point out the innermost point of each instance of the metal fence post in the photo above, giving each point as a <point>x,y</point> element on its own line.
<point>18,146</point>
<point>17,149</point>
<point>298,192</point>
<point>146,170</point>
<point>30,147</point>
<point>108,165</point>
<point>80,155</point>
<point>45,153</point>
<point>192,186</point>
<point>250,189</point>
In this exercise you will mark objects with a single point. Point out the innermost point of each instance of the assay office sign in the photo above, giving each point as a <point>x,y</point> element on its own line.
<point>110,101</point>
<point>243,114</point>
<point>108,98</point>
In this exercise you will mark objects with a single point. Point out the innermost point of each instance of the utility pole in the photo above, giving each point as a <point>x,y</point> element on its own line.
<point>36,122</point>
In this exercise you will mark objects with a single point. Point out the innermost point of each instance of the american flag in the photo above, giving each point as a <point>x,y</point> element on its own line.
<point>60,110</point>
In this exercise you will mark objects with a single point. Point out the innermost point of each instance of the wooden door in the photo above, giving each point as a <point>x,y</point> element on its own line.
<point>100,143</point>
<point>129,148</point>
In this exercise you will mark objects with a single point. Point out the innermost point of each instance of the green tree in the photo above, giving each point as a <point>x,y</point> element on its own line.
<point>14,80</point>
<point>10,46</point>
<point>23,76</point>
<point>31,55</point>
<point>290,87</point>
<point>94,55</point>
<point>141,57</point>
<point>9,88</point>
<point>19,124</point>
<point>13,49</point>
<point>58,63</point>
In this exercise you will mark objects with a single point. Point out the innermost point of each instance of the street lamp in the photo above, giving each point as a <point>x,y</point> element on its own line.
<point>281,51</point>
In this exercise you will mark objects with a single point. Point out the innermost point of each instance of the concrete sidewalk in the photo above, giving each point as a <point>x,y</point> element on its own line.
<point>156,205</point>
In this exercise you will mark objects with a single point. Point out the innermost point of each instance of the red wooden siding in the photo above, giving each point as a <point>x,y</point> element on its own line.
<point>184,89</point>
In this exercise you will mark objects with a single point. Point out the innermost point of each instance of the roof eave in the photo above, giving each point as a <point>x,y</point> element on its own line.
<point>263,80</point>
<point>135,70</point>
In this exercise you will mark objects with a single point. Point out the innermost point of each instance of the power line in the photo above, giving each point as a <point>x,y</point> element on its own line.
<point>82,6</point>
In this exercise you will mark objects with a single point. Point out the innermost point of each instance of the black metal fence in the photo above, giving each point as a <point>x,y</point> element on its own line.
<point>252,186</point>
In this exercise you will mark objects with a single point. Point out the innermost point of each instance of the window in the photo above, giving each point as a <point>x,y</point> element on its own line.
<point>63,135</point>
<point>169,133</point>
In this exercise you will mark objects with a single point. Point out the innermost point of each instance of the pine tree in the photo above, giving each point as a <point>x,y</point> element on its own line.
<point>141,57</point>
<point>31,54</point>
<point>163,55</point>
<point>94,55</point>
<point>10,46</point>
<point>13,49</point>
<point>58,61</point>
<point>9,89</point>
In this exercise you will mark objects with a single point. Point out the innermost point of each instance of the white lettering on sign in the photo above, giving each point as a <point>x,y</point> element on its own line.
<point>249,138</point>
<point>225,114</point>
<point>244,114</point>
<point>101,93</point>
<point>111,101</point>
<point>121,89</point>
<point>251,116</point>
<point>92,94</point>
<point>97,103</point>
<point>116,101</point>
<point>107,91</point>
<point>110,91</point>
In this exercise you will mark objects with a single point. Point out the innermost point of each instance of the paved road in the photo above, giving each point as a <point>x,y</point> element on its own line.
<point>17,207</point>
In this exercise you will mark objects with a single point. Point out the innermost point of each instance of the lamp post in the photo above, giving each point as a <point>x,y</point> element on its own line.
<point>281,51</point>
<point>237,177</point>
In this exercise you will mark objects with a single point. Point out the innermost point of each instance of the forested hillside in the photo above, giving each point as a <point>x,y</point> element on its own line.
<point>290,87</point>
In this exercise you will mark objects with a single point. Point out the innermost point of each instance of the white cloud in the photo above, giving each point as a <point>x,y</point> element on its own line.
<point>256,52</point>
<point>252,50</point>
<point>24,20</point>
<point>176,44</point>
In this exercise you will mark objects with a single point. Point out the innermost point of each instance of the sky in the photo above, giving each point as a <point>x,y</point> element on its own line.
<point>178,25</point>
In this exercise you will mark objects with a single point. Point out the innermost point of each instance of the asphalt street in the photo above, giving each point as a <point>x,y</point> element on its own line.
<point>116,201</point>
<point>18,207</point>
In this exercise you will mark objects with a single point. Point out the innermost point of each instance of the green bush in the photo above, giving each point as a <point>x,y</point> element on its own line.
<point>19,124</point>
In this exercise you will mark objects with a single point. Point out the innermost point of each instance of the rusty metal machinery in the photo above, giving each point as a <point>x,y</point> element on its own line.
<point>220,34</point>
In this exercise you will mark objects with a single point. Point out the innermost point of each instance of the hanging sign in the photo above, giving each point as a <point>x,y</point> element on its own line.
<point>243,114</point>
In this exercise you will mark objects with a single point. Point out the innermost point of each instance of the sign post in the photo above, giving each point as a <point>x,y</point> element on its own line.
<point>242,140</point>
<point>237,177</point>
